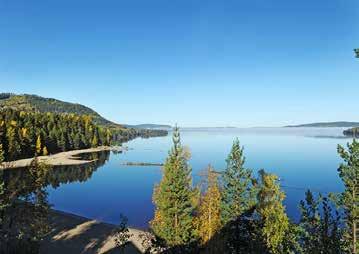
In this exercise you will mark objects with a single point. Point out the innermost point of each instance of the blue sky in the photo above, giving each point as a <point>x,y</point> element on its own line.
<point>197,63</point>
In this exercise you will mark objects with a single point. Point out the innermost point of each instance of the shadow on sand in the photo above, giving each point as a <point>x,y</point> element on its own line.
<point>74,234</point>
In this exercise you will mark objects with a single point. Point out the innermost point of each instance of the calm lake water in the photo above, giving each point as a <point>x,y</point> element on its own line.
<point>107,188</point>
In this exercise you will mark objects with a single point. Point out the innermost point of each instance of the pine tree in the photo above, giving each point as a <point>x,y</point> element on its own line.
<point>310,223</point>
<point>321,231</point>
<point>275,222</point>
<point>237,196</point>
<point>349,173</point>
<point>173,198</point>
<point>209,214</point>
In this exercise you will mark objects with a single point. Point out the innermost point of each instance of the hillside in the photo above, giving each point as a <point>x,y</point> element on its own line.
<point>35,103</point>
<point>27,102</point>
<point>327,124</point>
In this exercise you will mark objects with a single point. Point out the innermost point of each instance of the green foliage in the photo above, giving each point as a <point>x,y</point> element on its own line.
<point>122,234</point>
<point>36,103</point>
<point>24,134</point>
<point>174,199</point>
<point>24,220</point>
<point>349,173</point>
<point>356,51</point>
<point>209,211</point>
<point>321,226</point>
<point>272,212</point>
<point>238,192</point>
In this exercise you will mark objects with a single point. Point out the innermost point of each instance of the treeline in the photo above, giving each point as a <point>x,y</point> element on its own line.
<point>121,135</point>
<point>238,212</point>
<point>25,134</point>
<point>352,132</point>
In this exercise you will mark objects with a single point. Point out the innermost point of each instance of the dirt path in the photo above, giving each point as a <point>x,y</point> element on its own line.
<point>72,234</point>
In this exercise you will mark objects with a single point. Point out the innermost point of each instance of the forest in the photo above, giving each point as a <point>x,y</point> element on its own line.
<point>26,134</point>
<point>237,211</point>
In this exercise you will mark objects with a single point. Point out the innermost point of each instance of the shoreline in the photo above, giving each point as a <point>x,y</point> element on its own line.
<point>59,159</point>
<point>71,233</point>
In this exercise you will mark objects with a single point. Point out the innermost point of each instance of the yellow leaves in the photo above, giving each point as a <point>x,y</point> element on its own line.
<point>208,221</point>
<point>272,211</point>
<point>44,151</point>
<point>38,145</point>
<point>13,123</point>
<point>23,132</point>
<point>22,114</point>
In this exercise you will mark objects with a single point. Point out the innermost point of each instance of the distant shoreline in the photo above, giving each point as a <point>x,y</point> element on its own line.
<point>59,159</point>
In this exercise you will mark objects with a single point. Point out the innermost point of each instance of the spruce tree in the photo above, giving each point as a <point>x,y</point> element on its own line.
<point>209,212</point>
<point>274,220</point>
<point>173,198</point>
<point>349,173</point>
<point>237,196</point>
<point>310,223</point>
<point>321,231</point>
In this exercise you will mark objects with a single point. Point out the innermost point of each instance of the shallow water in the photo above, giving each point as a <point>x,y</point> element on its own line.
<point>105,189</point>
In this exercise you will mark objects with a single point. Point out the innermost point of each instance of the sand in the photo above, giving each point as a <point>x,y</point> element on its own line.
<point>75,234</point>
<point>64,158</point>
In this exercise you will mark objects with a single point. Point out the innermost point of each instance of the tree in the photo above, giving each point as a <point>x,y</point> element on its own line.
<point>44,151</point>
<point>38,145</point>
<point>349,173</point>
<point>25,219</point>
<point>94,142</point>
<point>274,220</point>
<point>310,223</point>
<point>173,198</point>
<point>321,230</point>
<point>14,148</point>
<point>237,196</point>
<point>209,212</point>
<point>356,52</point>
<point>122,234</point>
<point>3,202</point>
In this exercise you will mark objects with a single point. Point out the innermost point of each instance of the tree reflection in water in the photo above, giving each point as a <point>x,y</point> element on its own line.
<point>24,207</point>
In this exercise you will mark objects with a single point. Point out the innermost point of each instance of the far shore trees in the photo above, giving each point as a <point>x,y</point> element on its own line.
<point>174,199</point>
<point>349,173</point>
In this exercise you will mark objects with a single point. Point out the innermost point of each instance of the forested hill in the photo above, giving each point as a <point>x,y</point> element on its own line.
<point>328,124</point>
<point>34,103</point>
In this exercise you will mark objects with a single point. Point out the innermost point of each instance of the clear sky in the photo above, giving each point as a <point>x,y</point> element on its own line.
<point>194,62</point>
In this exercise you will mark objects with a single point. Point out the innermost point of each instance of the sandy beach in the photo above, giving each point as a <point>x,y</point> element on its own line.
<point>72,234</point>
<point>64,158</point>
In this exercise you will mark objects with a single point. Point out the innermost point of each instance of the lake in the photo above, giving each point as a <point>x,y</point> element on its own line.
<point>302,157</point>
